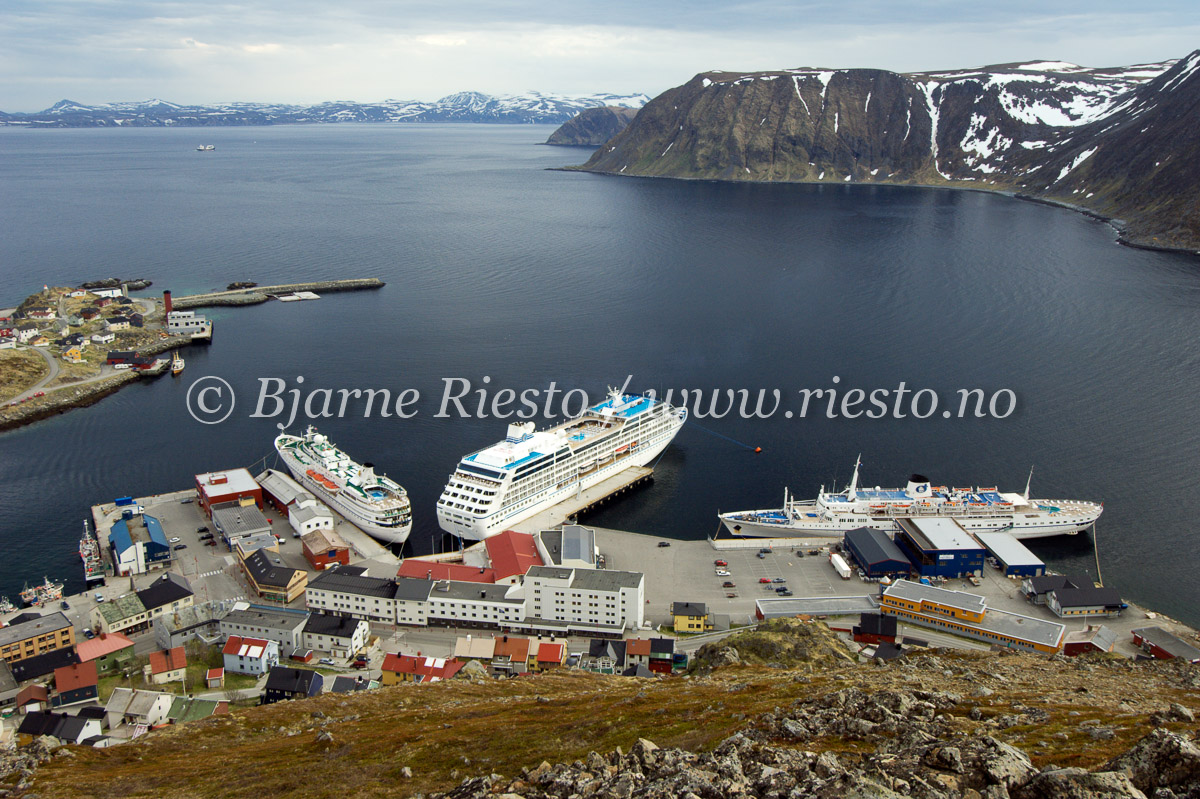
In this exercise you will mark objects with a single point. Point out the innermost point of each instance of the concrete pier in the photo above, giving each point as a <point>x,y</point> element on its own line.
<point>252,296</point>
<point>587,499</point>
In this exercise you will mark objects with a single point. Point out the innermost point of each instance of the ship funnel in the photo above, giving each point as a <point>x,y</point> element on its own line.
<point>918,486</point>
<point>367,473</point>
<point>519,431</point>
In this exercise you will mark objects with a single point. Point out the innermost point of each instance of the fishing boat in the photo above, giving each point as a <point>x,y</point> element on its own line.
<point>176,363</point>
<point>42,594</point>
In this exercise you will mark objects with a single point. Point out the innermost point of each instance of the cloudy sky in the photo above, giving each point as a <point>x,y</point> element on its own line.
<point>304,51</point>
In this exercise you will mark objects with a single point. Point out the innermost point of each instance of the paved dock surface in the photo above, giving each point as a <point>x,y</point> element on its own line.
<point>685,572</point>
<point>602,491</point>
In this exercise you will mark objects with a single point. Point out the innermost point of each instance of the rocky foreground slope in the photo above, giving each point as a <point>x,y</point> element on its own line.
<point>1120,142</point>
<point>807,723</point>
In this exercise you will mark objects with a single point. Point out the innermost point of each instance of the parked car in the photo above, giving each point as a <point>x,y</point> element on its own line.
<point>765,550</point>
<point>761,556</point>
<point>731,594</point>
<point>722,572</point>
<point>201,529</point>
<point>799,553</point>
<point>180,546</point>
<point>720,563</point>
<point>360,664</point>
<point>185,501</point>
<point>784,592</point>
<point>664,543</point>
<point>65,606</point>
<point>88,634</point>
<point>206,537</point>
<point>326,662</point>
<point>764,579</point>
<point>779,580</point>
<point>210,543</point>
<point>176,540</point>
<point>728,584</point>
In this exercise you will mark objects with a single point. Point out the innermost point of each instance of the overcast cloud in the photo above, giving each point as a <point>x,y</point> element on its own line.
<point>300,51</point>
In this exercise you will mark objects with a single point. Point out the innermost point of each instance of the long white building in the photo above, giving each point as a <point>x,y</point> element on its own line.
<point>548,599</point>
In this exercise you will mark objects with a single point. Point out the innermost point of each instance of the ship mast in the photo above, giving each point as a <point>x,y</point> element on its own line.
<point>850,492</point>
<point>1027,482</point>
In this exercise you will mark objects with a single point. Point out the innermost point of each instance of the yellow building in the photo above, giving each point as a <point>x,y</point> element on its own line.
<point>967,615</point>
<point>34,637</point>
<point>691,617</point>
<point>73,355</point>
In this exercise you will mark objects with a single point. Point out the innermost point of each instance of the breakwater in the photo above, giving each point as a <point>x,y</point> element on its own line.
<point>260,294</point>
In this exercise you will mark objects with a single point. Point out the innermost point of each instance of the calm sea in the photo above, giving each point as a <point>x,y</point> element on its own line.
<point>497,267</point>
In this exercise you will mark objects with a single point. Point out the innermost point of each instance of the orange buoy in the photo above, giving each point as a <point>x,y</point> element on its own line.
<point>758,449</point>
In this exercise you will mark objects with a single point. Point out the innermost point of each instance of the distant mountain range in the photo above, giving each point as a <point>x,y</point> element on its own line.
<point>531,107</point>
<point>1121,142</point>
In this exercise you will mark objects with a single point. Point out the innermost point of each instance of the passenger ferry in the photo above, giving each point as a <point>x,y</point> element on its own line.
<point>371,502</point>
<point>530,471</point>
<point>978,510</point>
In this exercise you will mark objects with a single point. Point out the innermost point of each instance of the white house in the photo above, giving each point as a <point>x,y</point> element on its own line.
<point>143,709</point>
<point>187,323</point>
<point>103,338</point>
<point>254,656</point>
<point>281,625</point>
<point>339,635</point>
<point>117,323</point>
<point>310,516</point>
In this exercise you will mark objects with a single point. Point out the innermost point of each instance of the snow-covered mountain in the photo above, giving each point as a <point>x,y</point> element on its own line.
<point>529,107</point>
<point>1121,141</point>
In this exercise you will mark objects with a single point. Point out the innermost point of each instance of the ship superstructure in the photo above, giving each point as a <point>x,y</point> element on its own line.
<point>532,470</point>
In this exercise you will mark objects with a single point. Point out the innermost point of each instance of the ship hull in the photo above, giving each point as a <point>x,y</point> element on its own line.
<point>740,526</point>
<point>351,513</point>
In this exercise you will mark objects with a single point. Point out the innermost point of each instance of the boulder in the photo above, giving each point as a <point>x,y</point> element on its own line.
<point>1162,759</point>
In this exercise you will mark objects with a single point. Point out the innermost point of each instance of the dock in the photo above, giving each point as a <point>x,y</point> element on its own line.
<point>259,294</point>
<point>587,499</point>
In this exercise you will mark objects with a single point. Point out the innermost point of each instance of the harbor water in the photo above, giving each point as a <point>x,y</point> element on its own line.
<point>498,267</point>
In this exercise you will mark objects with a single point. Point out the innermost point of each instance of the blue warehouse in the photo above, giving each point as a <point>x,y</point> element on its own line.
<point>939,547</point>
<point>876,554</point>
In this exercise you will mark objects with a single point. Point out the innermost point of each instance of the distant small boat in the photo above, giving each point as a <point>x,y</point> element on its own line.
<point>176,363</point>
<point>204,148</point>
<point>6,606</point>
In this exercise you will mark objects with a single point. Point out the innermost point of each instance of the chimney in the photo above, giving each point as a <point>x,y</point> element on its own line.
<point>167,302</point>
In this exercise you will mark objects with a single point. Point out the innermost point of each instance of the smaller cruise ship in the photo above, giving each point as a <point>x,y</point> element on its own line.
<point>372,502</point>
<point>977,510</point>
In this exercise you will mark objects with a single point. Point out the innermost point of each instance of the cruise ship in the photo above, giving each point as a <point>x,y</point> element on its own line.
<point>978,510</point>
<point>371,502</point>
<point>530,471</point>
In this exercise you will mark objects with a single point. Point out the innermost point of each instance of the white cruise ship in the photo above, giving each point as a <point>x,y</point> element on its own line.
<point>506,483</point>
<point>978,510</point>
<point>371,502</point>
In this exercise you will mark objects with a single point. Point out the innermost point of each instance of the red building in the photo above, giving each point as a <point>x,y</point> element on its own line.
<point>323,548</point>
<point>431,570</point>
<point>1161,644</point>
<point>874,628</point>
<point>235,485</point>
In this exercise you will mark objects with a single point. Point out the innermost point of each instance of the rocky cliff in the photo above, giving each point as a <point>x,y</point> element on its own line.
<point>1117,141</point>
<point>593,126</point>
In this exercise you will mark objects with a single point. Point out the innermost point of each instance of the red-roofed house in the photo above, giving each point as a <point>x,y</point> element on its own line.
<point>250,655</point>
<point>511,655</point>
<point>550,656</point>
<point>33,698</point>
<point>637,652</point>
<point>107,650</point>
<point>407,668</point>
<point>511,554</point>
<point>167,665</point>
<point>429,570</point>
<point>215,678</point>
<point>75,684</point>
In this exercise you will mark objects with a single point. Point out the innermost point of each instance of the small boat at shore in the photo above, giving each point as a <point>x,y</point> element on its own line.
<point>6,605</point>
<point>176,363</point>
<point>42,594</point>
